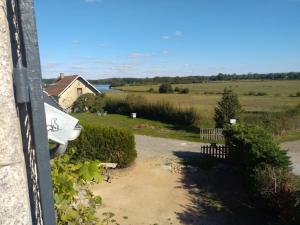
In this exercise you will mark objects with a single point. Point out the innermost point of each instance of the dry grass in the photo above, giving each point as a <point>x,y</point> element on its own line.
<point>274,88</point>
<point>204,96</point>
<point>205,104</point>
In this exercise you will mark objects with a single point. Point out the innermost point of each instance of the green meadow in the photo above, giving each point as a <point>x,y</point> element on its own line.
<point>204,96</point>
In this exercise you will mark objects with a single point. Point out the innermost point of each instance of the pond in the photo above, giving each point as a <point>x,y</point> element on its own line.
<point>106,88</point>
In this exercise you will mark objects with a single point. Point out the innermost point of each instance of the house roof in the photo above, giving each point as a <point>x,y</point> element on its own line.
<point>51,101</point>
<point>62,84</point>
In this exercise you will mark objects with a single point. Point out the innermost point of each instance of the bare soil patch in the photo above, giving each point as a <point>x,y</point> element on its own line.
<point>159,189</point>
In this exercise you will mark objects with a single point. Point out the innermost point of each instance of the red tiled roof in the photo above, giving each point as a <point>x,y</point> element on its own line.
<point>60,85</point>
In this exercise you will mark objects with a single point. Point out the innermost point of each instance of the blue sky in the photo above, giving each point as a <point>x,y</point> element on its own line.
<point>139,38</point>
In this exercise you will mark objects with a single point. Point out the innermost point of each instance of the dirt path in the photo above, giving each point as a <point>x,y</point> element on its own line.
<point>157,190</point>
<point>151,191</point>
<point>293,148</point>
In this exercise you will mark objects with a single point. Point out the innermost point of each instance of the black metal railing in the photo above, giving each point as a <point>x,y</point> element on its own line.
<point>29,100</point>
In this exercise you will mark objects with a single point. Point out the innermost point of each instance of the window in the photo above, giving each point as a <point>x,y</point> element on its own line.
<point>79,92</point>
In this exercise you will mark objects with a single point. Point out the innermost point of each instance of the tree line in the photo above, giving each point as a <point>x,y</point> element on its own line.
<point>197,79</point>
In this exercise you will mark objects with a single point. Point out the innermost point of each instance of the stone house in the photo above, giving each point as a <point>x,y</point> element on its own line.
<point>67,89</point>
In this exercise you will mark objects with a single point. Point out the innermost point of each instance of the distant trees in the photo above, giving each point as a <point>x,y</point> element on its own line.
<point>165,88</point>
<point>228,108</point>
<point>197,79</point>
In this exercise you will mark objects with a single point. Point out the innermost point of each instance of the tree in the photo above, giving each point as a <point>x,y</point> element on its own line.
<point>99,103</point>
<point>177,89</point>
<point>185,91</point>
<point>84,103</point>
<point>165,88</point>
<point>89,103</point>
<point>228,108</point>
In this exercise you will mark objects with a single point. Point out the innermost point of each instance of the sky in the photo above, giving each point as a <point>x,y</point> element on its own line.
<point>145,38</point>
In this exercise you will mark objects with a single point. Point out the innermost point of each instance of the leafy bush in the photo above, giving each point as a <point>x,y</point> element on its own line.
<point>177,89</point>
<point>89,103</point>
<point>228,108</point>
<point>265,169</point>
<point>185,91</point>
<point>252,146</point>
<point>160,111</point>
<point>275,191</point>
<point>84,103</point>
<point>106,144</point>
<point>252,93</point>
<point>182,90</point>
<point>165,88</point>
<point>151,90</point>
<point>74,202</point>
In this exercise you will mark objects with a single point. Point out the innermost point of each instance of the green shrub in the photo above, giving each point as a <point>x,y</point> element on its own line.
<point>252,146</point>
<point>177,89</point>
<point>185,91</point>
<point>265,169</point>
<point>106,144</point>
<point>99,103</point>
<point>89,103</point>
<point>275,190</point>
<point>165,88</point>
<point>84,103</point>
<point>74,202</point>
<point>228,108</point>
<point>151,90</point>
<point>252,93</point>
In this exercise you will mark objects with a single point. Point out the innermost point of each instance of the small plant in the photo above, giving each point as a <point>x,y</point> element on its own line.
<point>151,90</point>
<point>166,88</point>
<point>177,89</point>
<point>74,202</point>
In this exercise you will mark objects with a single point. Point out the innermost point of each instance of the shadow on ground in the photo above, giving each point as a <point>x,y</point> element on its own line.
<point>217,196</point>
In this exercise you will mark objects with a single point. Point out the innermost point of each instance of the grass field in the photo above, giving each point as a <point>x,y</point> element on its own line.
<point>155,128</point>
<point>140,126</point>
<point>273,88</point>
<point>276,98</point>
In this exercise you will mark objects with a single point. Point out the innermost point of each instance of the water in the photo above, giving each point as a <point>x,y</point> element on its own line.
<point>105,88</point>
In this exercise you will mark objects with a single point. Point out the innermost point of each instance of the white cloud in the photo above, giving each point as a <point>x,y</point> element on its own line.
<point>140,55</point>
<point>92,1</point>
<point>165,52</point>
<point>166,37</point>
<point>176,34</point>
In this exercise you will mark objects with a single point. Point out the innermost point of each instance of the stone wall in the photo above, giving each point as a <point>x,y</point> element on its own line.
<point>14,200</point>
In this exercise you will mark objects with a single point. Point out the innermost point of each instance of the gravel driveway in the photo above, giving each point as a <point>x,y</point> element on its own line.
<point>155,191</point>
<point>293,148</point>
<point>149,147</point>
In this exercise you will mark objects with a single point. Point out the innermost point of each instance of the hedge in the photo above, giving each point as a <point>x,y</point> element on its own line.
<point>106,144</point>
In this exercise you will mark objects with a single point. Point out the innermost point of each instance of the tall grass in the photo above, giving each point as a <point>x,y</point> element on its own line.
<point>276,122</point>
<point>163,111</point>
